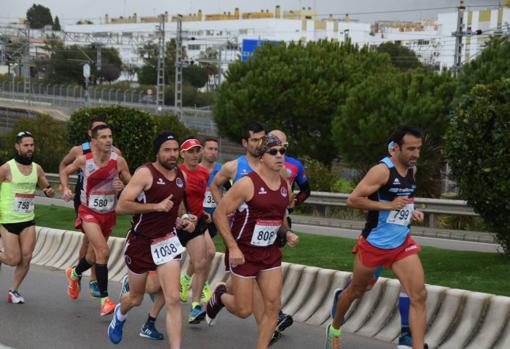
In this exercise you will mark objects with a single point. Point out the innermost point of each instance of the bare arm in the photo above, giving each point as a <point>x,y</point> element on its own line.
<point>240,192</point>
<point>43,183</point>
<point>76,165</point>
<point>4,173</point>
<point>123,169</point>
<point>73,154</point>
<point>373,180</point>
<point>140,182</point>
<point>226,173</point>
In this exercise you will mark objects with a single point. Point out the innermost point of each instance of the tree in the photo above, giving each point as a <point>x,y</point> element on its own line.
<point>296,88</point>
<point>56,24</point>
<point>478,151</point>
<point>39,16</point>
<point>401,57</point>
<point>489,66</point>
<point>382,102</point>
<point>50,137</point>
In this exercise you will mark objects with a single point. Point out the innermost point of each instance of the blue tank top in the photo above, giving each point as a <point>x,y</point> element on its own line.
<point>209,204</point>
<point>215,170</point>
<point>243,168</point>
<point>389,229</point>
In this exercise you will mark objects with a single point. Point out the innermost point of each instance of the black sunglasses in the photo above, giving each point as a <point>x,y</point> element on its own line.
<point>273,151</point>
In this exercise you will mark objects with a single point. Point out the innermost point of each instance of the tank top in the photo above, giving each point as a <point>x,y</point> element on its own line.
<point>17,196</point>
<point>196,185</point>
<point>243,168</point>
<point>389,229</point>
<point>257,221</point>
<point>85,148</point>
<point>98,192</point>
<point>153,225</point>
<point>209,203</point>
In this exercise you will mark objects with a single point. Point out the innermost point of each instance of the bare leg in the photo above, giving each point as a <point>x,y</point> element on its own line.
<point>168,275</point>
<point>27,242</point>
<point>270,284</point>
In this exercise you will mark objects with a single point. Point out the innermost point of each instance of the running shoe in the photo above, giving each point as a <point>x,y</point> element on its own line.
<point>206,293</point>
<point>284,321</point>
<point>276,337</point>
<point>185,287</point>
<point>196,315</point>
<point>124,286</point>
<point>405,341</point>
<point>332,341</point>
<point>73,287</point>
<point>107,307</point>
<point>115,327</point>
<point>94,289</point>
<point>14,297</point>
<point>214,305</point>
<point>149,331</point>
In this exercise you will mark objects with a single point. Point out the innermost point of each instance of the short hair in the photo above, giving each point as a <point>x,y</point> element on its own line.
<point>98,128</point>
<point>211,139</point>
<point>96,119</point>
<point>23,134</point>
<point>254,127</point>
<point>399,134</point>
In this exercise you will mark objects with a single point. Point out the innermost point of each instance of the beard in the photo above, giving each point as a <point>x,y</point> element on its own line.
<point>168,165</point>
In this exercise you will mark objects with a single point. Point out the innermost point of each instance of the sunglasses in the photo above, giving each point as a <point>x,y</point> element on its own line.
<point>274,151</point>
<point>24,134</point>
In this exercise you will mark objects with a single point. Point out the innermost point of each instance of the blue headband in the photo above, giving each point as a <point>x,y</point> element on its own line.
<point>391,146</point>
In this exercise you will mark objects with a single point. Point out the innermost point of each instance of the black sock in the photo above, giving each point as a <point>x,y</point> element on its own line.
<point>82,266</point>
<point>102,279</point>
<point>151,320</point>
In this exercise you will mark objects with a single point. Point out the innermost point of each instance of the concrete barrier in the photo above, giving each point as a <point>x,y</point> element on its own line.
<point>455,318</point>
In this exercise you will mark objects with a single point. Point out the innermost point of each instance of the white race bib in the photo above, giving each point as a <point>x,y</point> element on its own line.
<point>102,202</point>
<point>166,249</point>
<point>402,216</point>
<point>264,233</point>
<point>24,203</point>
<point>209,200</point>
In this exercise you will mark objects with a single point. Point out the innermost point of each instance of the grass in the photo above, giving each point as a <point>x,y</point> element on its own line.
<point>474,271</point>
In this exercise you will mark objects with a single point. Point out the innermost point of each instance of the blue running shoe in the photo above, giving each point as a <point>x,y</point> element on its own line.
<point>124,286</point>
<point>405,341</point>
<point>115,327</point>
<point>94,289</point>
<point>284,321</point>
<point>149,331</point>
<point>196,315</point>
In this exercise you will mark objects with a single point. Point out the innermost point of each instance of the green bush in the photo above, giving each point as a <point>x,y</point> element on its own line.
<point>319,175</point>
<point>342,185</point>
<point>478,151</point>
<point>50,138</point>
<point>133,131</point>
<point>171,123</point>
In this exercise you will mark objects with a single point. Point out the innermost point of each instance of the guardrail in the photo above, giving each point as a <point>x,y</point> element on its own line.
<point>431,207</point>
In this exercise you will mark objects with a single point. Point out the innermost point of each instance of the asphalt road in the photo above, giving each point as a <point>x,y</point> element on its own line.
<point>50,320</point>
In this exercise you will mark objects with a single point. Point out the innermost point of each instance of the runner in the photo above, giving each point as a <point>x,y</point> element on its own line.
<point>261,200</point>
<point>96,215</point>
<point>18,180</point>
<point>209,162</point>
<point>387,193</point>
<point>296,175</point>
<point>199,245</point>
<point>405,339</point>
<point>73,154</point>
<point>155,196</point>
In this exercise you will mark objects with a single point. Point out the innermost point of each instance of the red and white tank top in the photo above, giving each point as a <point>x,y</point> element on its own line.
<point>98,193</point>
<point>257,221</point>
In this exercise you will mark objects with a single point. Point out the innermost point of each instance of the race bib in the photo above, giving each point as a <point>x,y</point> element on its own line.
<point>209,200</point>
<point>102,202</point>
<point>166,249</point>
<point>24,203</point>
<point>264,233</point>
<point>402,216</point>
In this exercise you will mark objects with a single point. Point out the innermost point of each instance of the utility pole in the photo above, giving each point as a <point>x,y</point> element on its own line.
<point>459,33</point>
<point>26,67</point>
<point>99,62</point>
<point>178,69</point>
<point>160,88</point>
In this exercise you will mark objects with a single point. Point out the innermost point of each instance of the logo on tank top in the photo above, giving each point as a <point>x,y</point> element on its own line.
<point>396,182</point>
<point>90,167</point>
<point>283,191</point>
<point>244,172</point>
<point>262,191</point>
<point>160,181</point>
<point>179,182</point>
<point>289,171</point>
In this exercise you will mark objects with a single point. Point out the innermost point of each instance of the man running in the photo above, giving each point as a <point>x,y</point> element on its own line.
<point>155,196</point>
<point>199,245</point>
<point>210,162</point>
<point>104,173</point>
<point>18,179</point>
<point>387,193</point>
<point>261,199</point>
<point>73,154</point>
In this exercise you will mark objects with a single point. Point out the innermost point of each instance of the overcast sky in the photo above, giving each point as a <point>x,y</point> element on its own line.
<point>69,11</point>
